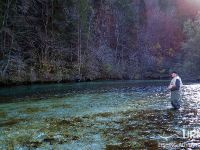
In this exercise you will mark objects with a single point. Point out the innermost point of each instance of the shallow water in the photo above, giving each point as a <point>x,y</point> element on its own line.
<point>98,115</point>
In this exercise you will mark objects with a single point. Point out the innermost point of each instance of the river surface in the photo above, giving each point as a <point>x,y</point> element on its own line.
<point>112,115</point>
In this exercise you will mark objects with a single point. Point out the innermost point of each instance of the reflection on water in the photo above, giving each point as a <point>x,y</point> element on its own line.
<point>102,115</point>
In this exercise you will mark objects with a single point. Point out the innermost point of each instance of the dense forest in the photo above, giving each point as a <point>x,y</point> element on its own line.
<point>66,40</point>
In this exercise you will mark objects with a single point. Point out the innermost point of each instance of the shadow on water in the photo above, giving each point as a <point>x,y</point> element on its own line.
<point>41,92</point>
<point>118,119</point>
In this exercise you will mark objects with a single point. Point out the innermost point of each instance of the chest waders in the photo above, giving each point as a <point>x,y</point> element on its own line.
<point>176,99</point>
<point>176,94</point>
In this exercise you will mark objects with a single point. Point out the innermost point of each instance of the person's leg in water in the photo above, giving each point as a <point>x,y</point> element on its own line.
<point>175,99</point>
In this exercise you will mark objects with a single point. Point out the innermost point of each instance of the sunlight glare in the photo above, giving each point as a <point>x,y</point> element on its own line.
<point>194,2</point>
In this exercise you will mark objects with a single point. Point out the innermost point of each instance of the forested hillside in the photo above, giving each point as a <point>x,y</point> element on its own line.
<point>65,40</point>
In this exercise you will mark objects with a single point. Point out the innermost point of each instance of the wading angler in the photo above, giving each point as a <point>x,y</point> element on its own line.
<point>175,88</point>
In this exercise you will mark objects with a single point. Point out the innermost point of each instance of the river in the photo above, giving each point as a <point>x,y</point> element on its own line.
<point>107,115</point>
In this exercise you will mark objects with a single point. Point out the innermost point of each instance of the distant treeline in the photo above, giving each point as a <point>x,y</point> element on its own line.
<point>66,40</point>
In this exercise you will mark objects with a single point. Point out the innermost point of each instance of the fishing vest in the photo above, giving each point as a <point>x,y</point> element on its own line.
<point>173,81</point>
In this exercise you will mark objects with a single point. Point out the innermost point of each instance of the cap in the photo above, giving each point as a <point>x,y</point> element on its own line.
<point>173,72</point>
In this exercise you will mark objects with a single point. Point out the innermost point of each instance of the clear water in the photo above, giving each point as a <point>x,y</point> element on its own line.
<point>98,115</point>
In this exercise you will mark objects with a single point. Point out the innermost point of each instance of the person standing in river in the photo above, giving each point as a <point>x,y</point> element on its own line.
<point>175,88</point>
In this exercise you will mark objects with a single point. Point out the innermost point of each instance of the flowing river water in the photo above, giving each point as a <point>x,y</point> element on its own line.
<point>112,115</point>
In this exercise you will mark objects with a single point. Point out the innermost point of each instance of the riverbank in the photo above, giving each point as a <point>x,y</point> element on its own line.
<point>72,79</point>
<point>13,84</point>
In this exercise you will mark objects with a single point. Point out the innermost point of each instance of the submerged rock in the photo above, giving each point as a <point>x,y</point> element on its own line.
<point>11,122</point>
<point>33,144</point>
<point>119,146</point>
<point>50,140</point>
<point>151,144</point>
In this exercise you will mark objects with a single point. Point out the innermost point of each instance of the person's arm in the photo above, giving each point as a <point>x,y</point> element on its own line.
<point>169,87</point>
<point>177,86</point>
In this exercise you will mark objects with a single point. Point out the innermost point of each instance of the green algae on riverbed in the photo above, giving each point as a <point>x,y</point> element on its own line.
<point>64,106</point>
<point>3,114</point>
<point>32,110</point>
<point>11,122</point>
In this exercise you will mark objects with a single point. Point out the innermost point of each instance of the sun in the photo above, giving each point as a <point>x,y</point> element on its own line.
<point>188,7</point>
<point>194,2</point>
